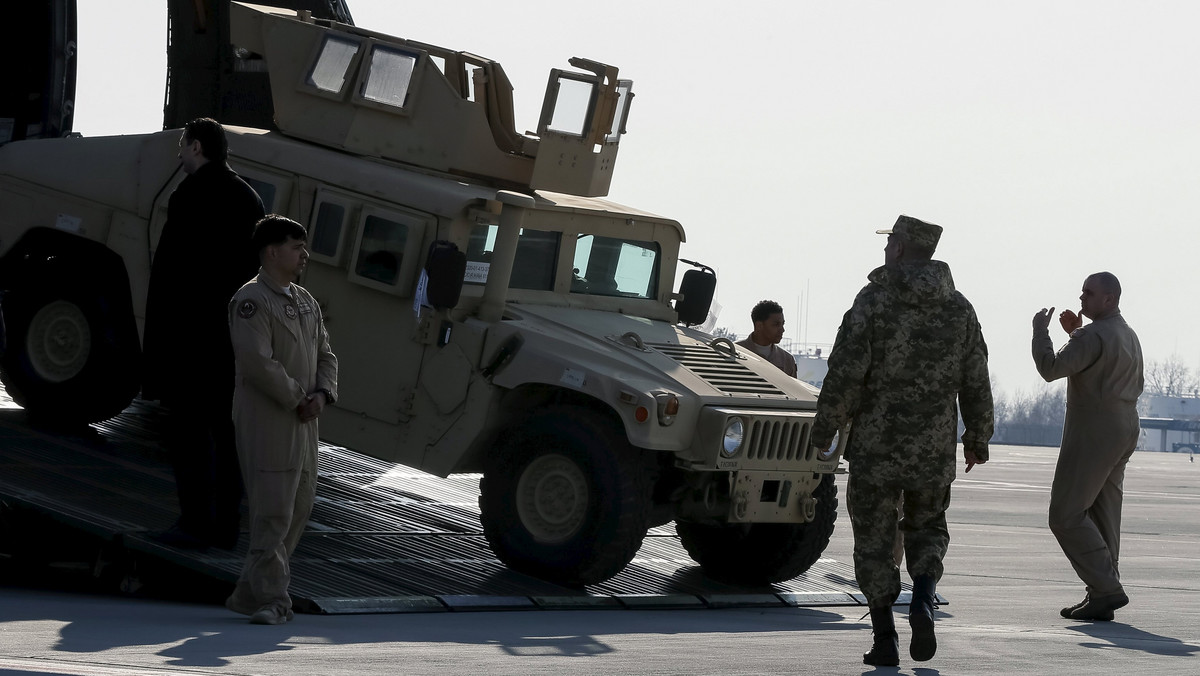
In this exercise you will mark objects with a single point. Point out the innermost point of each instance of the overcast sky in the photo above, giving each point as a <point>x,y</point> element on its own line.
<point>1050,139</point>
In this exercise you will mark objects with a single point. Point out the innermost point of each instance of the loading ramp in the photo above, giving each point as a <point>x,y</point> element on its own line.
<point>382,538</point>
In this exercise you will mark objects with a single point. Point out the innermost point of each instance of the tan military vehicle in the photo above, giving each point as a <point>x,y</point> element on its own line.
<point>490,312</point>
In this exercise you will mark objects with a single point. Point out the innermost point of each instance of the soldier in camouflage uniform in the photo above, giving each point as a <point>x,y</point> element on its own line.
<point>908,349</point>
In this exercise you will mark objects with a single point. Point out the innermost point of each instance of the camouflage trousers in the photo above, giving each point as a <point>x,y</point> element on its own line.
<point>874,508</point>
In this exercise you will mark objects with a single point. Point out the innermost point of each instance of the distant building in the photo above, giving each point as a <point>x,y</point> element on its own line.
<point>1170,424</point>
<point>811,360</point>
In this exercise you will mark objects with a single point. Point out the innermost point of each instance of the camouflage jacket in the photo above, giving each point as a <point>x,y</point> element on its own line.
<point>907,349</point>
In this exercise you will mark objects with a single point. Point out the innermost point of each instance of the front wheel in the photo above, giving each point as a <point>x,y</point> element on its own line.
<point>762,553</point>
<point>565,497</point>
<point>65,357</point>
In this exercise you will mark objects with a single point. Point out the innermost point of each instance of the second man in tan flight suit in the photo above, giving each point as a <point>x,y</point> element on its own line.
<point>1102,363</point>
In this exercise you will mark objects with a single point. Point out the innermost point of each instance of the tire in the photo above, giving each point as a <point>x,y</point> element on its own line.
<point>566,498</point>
<point>762,553</point>
<point>67,358</point>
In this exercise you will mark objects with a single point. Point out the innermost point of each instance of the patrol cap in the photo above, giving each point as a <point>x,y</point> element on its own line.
<point>916,231</point>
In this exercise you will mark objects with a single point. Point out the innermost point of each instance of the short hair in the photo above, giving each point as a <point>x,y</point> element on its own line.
<point>764,309</point>
<point>1108,283</point>
<point>275,229</point>
<point>211,136</point>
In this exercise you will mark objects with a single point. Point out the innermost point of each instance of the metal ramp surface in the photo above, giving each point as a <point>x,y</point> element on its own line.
<point>382,538</point>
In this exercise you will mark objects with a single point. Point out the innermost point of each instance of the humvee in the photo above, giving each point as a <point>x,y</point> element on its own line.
<point>553,355</point>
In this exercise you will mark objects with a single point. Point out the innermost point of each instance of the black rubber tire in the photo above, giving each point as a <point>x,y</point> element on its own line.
<point>68,359</point>
<point>762,553</point>
<point>584,507</point>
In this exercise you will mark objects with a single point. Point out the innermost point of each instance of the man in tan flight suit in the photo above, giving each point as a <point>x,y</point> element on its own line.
<point>1102,363</point>
<point>286,374</point>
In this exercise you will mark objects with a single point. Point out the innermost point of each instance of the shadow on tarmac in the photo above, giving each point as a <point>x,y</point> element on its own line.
<point>1124,637</point>
<point>917,671</point>
<point>201,636</point>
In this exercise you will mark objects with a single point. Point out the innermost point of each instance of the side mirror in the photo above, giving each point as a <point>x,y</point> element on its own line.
<point>445,267</point>
<point>696,295</point>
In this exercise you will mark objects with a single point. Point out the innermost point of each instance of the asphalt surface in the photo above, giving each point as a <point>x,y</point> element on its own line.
<point>1005,581</point>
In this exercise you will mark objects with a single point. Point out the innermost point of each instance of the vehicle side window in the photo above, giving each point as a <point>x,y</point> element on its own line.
<point>534,264</point>
<point>332,68</point>
<point>535,261</point>
<point>479,253</point>
<point>327,229</point>
<point>265,190</point>
<point>381,250</point>
<point>389,75</point>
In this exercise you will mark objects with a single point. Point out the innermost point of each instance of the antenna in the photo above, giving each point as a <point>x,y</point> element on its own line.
<point>807,285</point>
<point>800,314</point>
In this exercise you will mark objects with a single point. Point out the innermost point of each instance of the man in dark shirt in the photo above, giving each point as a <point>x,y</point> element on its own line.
<point>767,317</point>
<point>203,257</point>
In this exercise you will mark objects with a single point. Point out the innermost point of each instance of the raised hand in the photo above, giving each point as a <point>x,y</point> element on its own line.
<point>1069,320</point>
<point>1041,319</point>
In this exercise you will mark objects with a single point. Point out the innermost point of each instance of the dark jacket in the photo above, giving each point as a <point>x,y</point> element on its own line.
<point>203,257</point>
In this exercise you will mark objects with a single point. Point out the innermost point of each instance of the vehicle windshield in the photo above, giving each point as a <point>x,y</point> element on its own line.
<point>603,266</point>
<point>610,266</point>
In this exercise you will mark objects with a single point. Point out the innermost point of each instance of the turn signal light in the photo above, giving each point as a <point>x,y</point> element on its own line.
<point>668,408</point>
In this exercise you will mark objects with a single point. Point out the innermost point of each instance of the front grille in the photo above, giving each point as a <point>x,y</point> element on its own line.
<point>726,374</point>
<point>777,439</point>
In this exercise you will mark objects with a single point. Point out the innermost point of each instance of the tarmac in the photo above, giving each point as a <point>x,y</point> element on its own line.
<point>1005,582</point>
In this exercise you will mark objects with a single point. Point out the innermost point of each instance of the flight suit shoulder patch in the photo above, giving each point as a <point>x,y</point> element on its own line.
<point>246,309</point>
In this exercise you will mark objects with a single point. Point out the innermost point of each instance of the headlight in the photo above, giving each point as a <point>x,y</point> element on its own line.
<point>734,433</point>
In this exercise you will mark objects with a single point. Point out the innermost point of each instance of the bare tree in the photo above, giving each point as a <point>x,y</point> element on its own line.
<point>1030,417</point>
<point>1049,406</point>
<point>1170,377</point>
<point>1046,406</point>
<point>1001,406</point>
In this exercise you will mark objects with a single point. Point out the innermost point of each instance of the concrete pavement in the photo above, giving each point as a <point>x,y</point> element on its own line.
<point>1005,581</point>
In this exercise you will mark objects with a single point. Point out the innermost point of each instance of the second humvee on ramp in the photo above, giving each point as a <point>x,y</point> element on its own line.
<point>558,364</point>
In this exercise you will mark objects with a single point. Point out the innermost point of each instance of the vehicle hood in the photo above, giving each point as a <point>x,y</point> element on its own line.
<point>585,349</point>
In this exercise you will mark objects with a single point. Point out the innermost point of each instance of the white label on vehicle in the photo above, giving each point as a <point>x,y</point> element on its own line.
<point>68,223</point>
<point>572,378</point>
<point>477,273</point>
<point>421,296</point>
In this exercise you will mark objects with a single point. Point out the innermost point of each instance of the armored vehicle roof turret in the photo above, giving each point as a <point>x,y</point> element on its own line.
<point>380,96</point>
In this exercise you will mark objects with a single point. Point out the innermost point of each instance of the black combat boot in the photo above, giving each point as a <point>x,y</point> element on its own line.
<point>920,618</point>
<point>886,651</point>
<point>1099,608</point>
<point>1066,612</point>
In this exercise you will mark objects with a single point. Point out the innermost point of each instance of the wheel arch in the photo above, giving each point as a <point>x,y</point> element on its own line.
<point>52,257</point>
<point>58,255</point>
<point>519,404</point>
